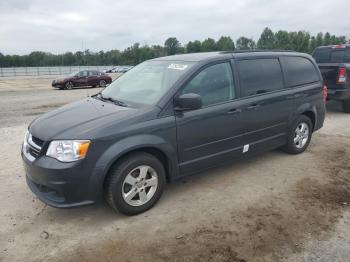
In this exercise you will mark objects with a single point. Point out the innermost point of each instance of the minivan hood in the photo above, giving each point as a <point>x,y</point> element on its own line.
<point>77,118</point>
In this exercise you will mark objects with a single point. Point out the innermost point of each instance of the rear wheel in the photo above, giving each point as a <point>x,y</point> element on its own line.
<point>69,85</point>
<point>102,83</point>
<point>299,135</point>
<point>346,106</point>
<point>135,184</point>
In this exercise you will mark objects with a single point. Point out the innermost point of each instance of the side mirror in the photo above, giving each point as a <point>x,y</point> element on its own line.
<point>187,102</point>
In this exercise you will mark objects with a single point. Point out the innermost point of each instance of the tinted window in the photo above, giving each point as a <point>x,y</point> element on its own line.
<point>214,84</point>
<point>347,55</point>
<point>259,76</point>
<point>92,73</point>
<point>332,55</point>
<point>299,71</point>
<point>322,55</point>
<point>337,56</point>
<point>83,73</point>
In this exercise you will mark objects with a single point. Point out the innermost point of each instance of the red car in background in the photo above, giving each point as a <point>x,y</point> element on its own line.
<point>83,78</point>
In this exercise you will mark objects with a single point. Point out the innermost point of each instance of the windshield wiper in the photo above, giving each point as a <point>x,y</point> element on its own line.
<point>115,101</point>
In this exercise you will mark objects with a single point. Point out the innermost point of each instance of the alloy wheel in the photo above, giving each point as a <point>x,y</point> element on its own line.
<point>102,83</point>
<point>140,185</point>
<point>301,135</point>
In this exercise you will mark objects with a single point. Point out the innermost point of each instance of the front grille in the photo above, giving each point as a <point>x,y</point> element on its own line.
<point>34,146</point>
<point>33,151</point>
<point>37,141</point>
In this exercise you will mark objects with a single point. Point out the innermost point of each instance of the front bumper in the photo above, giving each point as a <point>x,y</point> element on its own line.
<point>57,84</point>
<point>60,185</point>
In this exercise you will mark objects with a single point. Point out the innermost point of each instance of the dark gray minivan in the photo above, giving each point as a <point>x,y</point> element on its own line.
<point>167,118</point>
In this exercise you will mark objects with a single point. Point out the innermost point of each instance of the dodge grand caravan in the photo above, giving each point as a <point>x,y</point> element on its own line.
<point>167,118</point>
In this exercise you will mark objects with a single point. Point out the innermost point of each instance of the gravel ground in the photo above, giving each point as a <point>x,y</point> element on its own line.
<point>274,207</point>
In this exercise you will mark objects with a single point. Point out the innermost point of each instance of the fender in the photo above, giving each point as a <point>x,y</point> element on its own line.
<point>128,144</point>
<point>302,109</point>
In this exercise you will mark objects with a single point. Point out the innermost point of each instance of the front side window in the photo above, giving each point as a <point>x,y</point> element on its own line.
<point>83,73</point>
<point>93,73</point>
<point>214,84</point>
<point>147,82</point>
<point>259,76</point>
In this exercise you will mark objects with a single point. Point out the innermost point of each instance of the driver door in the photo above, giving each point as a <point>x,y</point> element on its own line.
<point>82,78</point>
<point>208,135</point>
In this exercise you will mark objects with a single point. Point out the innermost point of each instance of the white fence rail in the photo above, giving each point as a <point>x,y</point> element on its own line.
<point>42,71</point>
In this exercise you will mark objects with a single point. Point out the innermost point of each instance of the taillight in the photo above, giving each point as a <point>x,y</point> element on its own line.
<point>324,93</point>
<point>339,46</point>
<point>341,78</point>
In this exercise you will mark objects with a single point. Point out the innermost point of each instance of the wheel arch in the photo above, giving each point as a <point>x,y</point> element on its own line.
<point>310,114</point>
<point>308,110</point>
<point>165,152</point>
<point>154,151</point>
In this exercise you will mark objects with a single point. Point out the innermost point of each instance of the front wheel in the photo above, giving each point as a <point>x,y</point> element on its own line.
<point>102,83</point>
<point>69,85</point>
<point>346,106</point>
<point>299,135</point>
<point>135,184</point>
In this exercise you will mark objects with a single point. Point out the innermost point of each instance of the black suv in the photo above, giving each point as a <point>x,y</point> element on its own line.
<point>334,64</point>
<point>170,117</point>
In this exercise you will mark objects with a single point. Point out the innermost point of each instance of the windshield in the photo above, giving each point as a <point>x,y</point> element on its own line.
<point>75,73</point>
<point>147,82</point>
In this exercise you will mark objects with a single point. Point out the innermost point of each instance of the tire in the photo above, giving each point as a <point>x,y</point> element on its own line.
<point>125,191</point>
<point>346,106</point>
<point>298,138</point>
<point>102,83</point>
<point>69,85</point>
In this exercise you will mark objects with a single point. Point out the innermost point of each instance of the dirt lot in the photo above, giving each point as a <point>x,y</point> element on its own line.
<point>275,207</point>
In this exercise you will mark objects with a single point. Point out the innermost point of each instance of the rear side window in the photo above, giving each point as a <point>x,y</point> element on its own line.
<point>259,76</point>
<point>299,71</point>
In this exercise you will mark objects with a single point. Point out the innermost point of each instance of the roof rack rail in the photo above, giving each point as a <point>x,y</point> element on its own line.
<point>255,50</point>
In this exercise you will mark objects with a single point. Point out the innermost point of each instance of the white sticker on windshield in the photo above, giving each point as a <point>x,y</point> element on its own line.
<point>177,66</point>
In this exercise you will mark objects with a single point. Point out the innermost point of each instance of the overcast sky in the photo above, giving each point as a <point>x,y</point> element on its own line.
<point>69,25</point>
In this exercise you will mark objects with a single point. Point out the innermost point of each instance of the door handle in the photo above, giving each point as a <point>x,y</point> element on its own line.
<point>252,107</point>
<point>234,111</point>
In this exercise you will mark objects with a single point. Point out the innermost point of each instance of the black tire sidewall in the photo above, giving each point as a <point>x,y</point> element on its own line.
<point>66,85</point>
<point>102,81</point>
<point>346,106</point>
<point>122,170</point>
<point>291,147</point>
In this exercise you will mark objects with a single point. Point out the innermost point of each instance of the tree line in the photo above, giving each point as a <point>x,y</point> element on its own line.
<point>300,41</point>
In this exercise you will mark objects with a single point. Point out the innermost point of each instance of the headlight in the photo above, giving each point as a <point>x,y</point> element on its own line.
<point>68,150</point>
